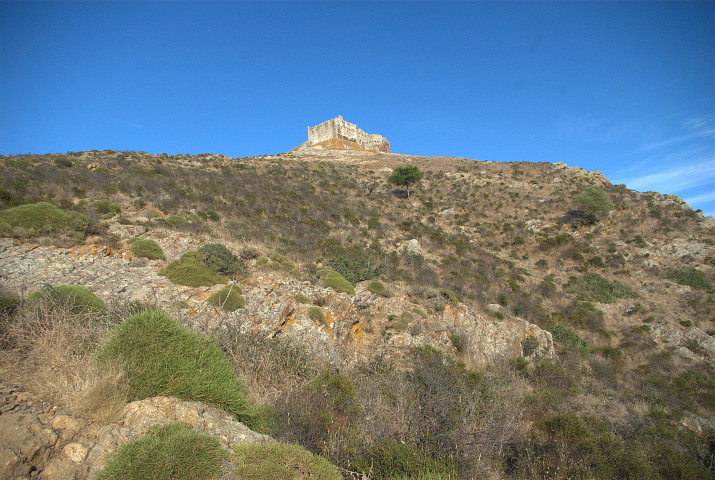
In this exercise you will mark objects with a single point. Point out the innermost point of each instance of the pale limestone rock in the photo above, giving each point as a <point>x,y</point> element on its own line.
<point>413,247</point>
<point>490,341</point>
<point>75,451</point>
<point>681,247</point>
<point>687,354</point>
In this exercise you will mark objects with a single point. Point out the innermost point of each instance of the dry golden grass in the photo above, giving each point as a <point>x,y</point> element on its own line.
<point>50,352</point>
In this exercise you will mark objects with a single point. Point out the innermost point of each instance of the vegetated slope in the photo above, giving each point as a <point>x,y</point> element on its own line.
<point>628,297</point>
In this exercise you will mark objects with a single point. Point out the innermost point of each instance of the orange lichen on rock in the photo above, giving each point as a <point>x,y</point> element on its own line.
<point>357,334</point>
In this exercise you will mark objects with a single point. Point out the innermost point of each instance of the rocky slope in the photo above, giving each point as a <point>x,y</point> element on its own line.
<point>482,263</point>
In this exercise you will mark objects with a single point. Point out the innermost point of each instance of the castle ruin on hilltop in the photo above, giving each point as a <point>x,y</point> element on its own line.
<point>338,134</point>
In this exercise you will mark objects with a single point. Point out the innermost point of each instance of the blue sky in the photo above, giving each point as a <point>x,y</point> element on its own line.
<point>626,88</point>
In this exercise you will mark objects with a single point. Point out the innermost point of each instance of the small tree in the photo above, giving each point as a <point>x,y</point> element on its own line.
<point>591,205</point>
<point>406,176</point>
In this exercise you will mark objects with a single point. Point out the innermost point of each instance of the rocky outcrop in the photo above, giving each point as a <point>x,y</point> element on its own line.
<point>691,343</point>
<point>354,327</point>
<point>40,442</point>
<point>490,340</point>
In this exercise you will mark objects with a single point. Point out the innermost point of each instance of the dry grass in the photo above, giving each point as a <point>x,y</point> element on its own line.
<point>50,352</point>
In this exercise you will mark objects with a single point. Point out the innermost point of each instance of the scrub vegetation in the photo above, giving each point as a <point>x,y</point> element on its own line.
<point>609,272</point>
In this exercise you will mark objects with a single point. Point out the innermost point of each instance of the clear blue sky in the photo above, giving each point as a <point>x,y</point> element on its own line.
<point>626,88</point>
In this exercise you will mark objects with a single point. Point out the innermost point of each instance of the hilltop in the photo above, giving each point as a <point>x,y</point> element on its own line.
<point>487,326</point>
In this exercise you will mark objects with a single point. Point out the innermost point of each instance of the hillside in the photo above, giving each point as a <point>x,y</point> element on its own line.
<point>486,326</point>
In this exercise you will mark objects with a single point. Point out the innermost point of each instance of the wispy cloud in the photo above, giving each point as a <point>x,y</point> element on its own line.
<point>583,127</point>
<point>676,179</point>
<point>693,128</point>
<point>707,197</point>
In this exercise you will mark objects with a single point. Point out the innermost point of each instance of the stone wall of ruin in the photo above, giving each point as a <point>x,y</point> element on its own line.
<point>339,128</point>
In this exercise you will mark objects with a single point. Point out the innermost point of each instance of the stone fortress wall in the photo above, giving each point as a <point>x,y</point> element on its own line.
<point>339,128</point>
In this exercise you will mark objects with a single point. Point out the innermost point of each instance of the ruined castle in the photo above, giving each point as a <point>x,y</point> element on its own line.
<point>337,133</point>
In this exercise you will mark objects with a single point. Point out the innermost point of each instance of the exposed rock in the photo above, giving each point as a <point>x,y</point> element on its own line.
<point>699,424</point>
<point>413,247</point>
<point>687,354</point>
<point>36,441</point>
<point>489,341</point>
<point>681,247</point>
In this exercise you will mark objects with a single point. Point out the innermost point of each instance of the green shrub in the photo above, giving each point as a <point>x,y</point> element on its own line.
<point>449,295</point>
<point>317,315</point>
<point>63,162</point>
<point>458,341</point>
<point>104,206</point>
<point>176,221</point>
<point>146,248</point>
<point>268,461</point>
<point>161,358</point>
<point>300,298</point>
<point>81,298</point>
<point>592,286</point>
<point>277,262</point>
<point>222,259</point>
<point>594,202</point>
<point>6,230</point>
<point>377,288</point>
<point>190,271</point>
<point>8,305</point>
<point>171,452</point>
<point>229,298</point>
<point>337,282</point>
<point>691,277</point>
<point>400,324</point>
<point>354,269</point>
<point>44,218</point>
<point>393,459</point>
<point>566,336</point>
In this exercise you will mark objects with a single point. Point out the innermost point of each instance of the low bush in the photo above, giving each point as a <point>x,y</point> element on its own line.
<point>300,298</point>
<point>329,409</point>
<point>171,452</point>
<point>222,259</point>
<point>378,288</point>
<point>568,337</point>
<point>337,282</point>
<point>104,206</point>
<point>354,269</point>
<point>229,298</point>
<point>317,315</point>
<point>268,461</point>
<point>400,324</point>
<point>593,287</point>
<point>176,221</point>
<point>691,277</point>
<point>190,271</point>
<point>458,341</point>
<point>146,248</point>
<point>35,219</point>
<point>63,162</point>
<point>449,295</point>
<point>269,365</point>
<point>277,262</point>
<point>393,459</point>
<point>81,299</point>
<point>8,305</point>
<point>160,358</point>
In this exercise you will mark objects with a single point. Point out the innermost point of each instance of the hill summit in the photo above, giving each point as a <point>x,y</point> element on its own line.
<point>337,134</point>
<point>505,320</point>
